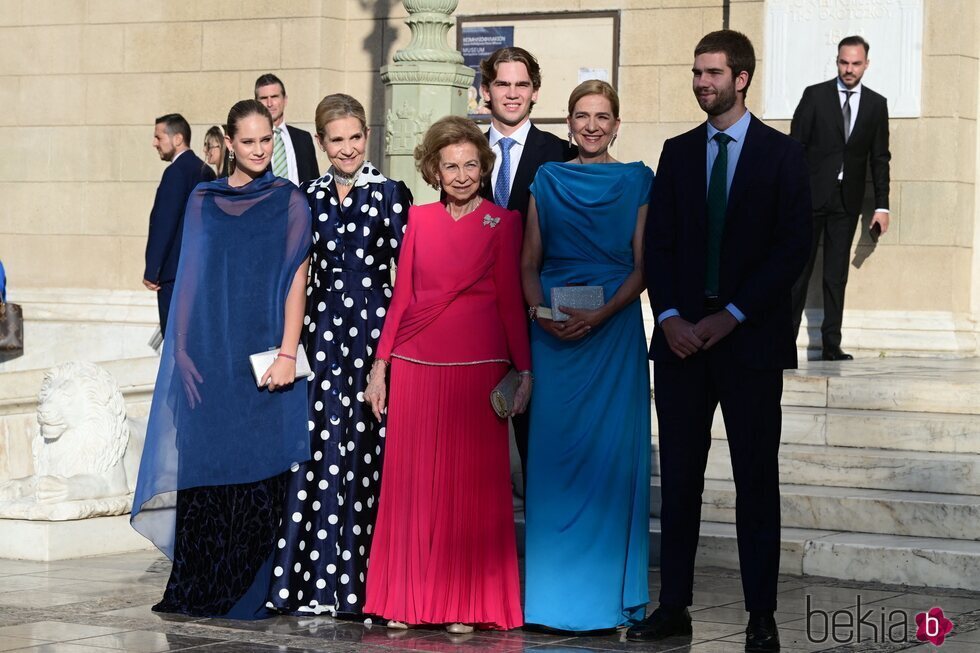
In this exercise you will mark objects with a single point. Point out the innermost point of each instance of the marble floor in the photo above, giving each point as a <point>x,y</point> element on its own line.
<point>103,604</point>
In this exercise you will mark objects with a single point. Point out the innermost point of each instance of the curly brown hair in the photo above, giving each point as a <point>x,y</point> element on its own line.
<point>450,130</point>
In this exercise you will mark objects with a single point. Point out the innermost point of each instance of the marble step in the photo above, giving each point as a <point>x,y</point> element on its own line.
<point>910,471</point>
<point>854,510</point>
<point>907,385</point>
<point>872,429</point>
<point>922,561</point>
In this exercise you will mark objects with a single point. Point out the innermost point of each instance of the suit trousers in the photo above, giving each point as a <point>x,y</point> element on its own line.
<point>837,228</point>
<point>687,393</point>
<point>164,295</point>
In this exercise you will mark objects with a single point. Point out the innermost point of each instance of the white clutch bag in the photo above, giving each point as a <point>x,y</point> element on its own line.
<point>262,361</point>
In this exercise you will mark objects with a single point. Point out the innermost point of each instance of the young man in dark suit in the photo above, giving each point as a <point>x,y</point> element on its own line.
<point>727,234</point>
<point>510,80</point>
<point>172,140</point>
<point>843,126</point>
<point>293,154</point>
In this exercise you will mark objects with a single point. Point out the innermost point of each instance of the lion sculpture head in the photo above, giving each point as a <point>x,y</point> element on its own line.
<point>82,418</point>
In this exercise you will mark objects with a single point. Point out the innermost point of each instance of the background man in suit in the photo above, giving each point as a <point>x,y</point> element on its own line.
<point>843,125</point>
<point>172,140</point>
<point>293,154</point>
<point>510,81</point>
<point>719,273</point>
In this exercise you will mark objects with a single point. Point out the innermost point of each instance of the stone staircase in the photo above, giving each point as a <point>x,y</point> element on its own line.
<point>880,469</point>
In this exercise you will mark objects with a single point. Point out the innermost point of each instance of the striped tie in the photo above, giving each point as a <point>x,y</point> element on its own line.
<point>279,166</point>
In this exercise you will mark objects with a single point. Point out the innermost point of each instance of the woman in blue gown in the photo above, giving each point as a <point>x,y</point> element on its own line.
<point>209,492</point>
<point>588,482</point>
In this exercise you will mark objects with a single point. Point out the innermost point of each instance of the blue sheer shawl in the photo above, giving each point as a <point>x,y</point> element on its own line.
<point>241,248</point>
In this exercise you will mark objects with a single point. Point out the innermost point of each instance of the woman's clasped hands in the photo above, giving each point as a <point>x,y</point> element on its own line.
<point>577,326</point>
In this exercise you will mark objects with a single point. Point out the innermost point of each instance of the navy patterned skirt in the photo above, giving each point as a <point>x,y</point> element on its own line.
<point>224,540</point>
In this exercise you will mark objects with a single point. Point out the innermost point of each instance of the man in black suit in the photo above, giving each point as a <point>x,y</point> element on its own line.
<point>172,140</point>
<point>719,272</point>
<point>510,81</point>
<point>293,154</point>
<point>843,126</point>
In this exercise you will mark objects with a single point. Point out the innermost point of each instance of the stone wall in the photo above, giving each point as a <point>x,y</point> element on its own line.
<point>83,81</point>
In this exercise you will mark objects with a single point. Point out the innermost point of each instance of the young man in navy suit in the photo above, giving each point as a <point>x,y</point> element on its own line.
<point>727,234</point>
<point>172,140</point>
<point>510,81</point>
<point>843,126</point>
<point>293,154</point>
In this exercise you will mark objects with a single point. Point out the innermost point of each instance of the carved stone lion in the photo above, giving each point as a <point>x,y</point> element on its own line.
<point>85,459</point>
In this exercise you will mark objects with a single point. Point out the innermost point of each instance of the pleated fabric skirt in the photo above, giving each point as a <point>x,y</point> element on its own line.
<point>444,547</point>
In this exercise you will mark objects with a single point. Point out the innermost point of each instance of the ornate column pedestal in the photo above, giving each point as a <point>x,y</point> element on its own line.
<point>426,81</point>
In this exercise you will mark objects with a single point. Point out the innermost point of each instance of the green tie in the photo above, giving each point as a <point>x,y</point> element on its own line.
<point>279,166</point>
<point>717,205</point>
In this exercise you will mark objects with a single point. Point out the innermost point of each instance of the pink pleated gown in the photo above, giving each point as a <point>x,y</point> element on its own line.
<point>444,548</point>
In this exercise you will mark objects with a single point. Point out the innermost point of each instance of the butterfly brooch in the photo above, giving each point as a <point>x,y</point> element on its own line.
<point>490,222</point>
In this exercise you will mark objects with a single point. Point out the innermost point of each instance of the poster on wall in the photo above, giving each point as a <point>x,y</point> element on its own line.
<point>478,43</point>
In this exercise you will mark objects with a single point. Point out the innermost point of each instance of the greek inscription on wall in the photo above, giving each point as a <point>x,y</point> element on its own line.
<point>801,48</point>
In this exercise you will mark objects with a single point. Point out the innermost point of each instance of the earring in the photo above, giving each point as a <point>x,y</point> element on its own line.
<point>571,140</point>
<point>613,141</point>
<point>231,156</point>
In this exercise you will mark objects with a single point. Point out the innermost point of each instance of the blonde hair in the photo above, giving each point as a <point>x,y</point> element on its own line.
<point>338,105</point>
<point>450,130</point>
<point>594,87</point>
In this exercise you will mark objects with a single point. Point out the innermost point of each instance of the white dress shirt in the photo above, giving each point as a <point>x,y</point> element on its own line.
<point>516,150</point>
<point>855,100</point>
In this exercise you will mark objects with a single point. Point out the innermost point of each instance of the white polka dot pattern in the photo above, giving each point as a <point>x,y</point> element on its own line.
<point>331,501</point>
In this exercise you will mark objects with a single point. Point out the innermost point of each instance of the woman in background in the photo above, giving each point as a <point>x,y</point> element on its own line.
<point>215,151</point>
<point>589,458</point>
<point>444,549</point>
<point>331,501</point>
<point>209,492</point>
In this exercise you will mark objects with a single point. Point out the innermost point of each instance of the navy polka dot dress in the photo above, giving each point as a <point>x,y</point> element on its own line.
<point>324,539</point>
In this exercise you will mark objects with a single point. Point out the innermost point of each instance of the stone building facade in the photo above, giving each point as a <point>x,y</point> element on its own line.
<point>82,80</point>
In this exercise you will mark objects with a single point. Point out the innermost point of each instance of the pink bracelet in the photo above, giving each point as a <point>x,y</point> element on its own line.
<point>292,358</point>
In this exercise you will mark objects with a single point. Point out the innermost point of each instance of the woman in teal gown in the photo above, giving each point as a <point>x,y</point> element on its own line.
<point>588,482</point>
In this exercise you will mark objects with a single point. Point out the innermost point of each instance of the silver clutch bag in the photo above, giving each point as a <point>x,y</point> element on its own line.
<point>262,361</point>
<point>587,297</point>
<point>502,395</point>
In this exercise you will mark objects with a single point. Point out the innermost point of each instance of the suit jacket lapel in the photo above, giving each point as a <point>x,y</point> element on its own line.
<point>530,161</point>
<point>486,184</point>
<point>864,112</point>
<point>752,152</point>
<point>697,176</point>
<point>834,106</point>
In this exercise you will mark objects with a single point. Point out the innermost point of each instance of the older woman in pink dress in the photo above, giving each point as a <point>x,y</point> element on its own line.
<point>444,549</point>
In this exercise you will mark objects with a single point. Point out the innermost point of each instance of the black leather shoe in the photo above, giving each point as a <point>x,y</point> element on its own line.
<point>761,634</point>
<point>835,354</point>
<point>661,624</point>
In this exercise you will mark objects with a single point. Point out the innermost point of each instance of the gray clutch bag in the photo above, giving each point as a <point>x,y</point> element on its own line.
<point>262,361</point>
<point>502,395</point>
<point>587,297</point>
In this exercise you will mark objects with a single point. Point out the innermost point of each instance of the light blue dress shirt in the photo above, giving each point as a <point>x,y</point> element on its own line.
<point>737,133</point>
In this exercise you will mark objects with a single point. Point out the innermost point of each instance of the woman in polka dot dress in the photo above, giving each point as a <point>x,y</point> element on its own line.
<point>331,502</point>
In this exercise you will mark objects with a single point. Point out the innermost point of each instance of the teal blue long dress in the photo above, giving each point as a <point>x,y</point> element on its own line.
<point>588,479</point>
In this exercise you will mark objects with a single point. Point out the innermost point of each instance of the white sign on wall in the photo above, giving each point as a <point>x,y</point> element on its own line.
<point>801,49</point>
